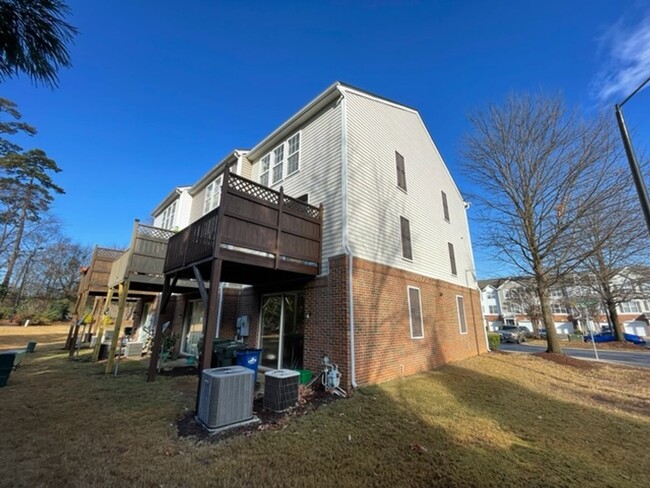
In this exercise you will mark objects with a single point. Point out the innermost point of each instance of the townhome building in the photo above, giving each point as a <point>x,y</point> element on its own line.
<point>341,235</point>
<point>513,301</point>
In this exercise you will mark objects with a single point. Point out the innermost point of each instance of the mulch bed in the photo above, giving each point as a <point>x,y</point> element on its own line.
<point>310,400</point>
<point>567,360</point>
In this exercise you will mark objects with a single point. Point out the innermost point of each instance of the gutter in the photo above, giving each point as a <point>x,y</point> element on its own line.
<point>346,237</point>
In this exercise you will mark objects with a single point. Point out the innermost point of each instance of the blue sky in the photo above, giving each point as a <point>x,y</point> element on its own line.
<point>160,91</point>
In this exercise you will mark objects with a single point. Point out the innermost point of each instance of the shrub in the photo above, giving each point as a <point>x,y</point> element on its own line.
<point>57,310</point>
<point>494,340</point>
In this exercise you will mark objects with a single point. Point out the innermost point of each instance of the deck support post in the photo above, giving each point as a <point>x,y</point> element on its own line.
<point>77,325</point>
<point>100,329</point>
<point>123,291</point>
<point>168,287</point>
<point>209,323</point>
<point>79,307</point>
<point>97,318</point>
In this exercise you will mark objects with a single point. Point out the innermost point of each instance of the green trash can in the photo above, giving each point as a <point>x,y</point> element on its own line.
<point>6,366</point>
<point>223,352</point>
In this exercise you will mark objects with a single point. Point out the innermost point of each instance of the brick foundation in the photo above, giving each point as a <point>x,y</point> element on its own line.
<point>383,345</point>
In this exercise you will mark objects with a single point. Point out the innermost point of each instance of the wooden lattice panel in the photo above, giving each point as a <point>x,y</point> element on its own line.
<point>298,206</point>
<point>253,189</point>
<point>155,232</point>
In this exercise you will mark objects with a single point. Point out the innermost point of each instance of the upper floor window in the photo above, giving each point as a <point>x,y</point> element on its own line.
<point>445,206</point>
<point>401,171</point>
<point>630,307</point>
<point>452,258</point>
<point>556,293</point>
<point>169,216</point>
<point>491,295</point>
<point>265,166</point>
<point>405,228</point>
<point>415,313</point>
<point>493,309</point>
<point>462,322</point>
<point>557,308</point>
<point>293,154</point>
<point>283,161</point>
<point>212,195</point>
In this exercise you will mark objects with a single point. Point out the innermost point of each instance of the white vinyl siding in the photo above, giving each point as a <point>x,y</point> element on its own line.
<point>212,196</point>
<point>460,307</point>
<point>376,129</point>
<point>319,175</point>
<point>415,312</point>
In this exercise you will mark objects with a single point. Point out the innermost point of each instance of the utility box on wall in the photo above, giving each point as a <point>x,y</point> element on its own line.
<point>242,326</point>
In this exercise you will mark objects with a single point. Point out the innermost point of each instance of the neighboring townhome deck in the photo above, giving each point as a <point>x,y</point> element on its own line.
<point>139,272</point>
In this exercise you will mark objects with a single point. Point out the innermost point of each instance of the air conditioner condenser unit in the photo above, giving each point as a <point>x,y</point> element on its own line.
<point>226,396</point>
<point>281,389</point>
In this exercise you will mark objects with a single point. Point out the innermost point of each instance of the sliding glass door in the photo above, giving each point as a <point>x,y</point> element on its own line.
<point>283,330</point>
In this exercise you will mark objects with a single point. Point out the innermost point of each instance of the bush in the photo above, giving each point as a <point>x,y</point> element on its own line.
<point>494,340</point>
<point>57,310</point>
<point>575,338</point>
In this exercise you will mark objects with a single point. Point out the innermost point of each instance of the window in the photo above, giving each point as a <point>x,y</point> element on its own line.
<point>401,172</point>
<point>493,309</point>
<point>452,259</point>
<point>491,295</point>
<point>557,308</point>
<point>278,164</point>
<point>445,207</point>
<point>415,313</point>
<point>556,293</point>
<point>264,170</point>
<point>630,307</point>
<point>193,329</point>
<point>212,195</point>
<point>168,216</point>
<point>283,161</point>
<point>406,238</point>
<point>293,154</point>
<point>460,305</point>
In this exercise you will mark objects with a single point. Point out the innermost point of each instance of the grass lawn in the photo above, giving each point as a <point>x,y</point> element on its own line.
<point>497,420</point>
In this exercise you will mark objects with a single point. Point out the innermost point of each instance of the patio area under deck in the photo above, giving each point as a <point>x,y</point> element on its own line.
<point>93,283</point>
<point>138,273</point>
<point>257,235</point>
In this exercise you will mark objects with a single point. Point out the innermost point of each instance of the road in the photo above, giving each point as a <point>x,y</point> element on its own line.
<point>631,358</point>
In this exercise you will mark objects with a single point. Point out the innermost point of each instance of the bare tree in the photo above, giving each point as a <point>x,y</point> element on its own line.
<point>540,169</point>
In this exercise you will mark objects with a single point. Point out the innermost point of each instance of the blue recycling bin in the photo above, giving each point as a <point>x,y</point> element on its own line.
<point>249,358</point>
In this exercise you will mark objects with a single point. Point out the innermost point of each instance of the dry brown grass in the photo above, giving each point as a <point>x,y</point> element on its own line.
<point>497,420</point>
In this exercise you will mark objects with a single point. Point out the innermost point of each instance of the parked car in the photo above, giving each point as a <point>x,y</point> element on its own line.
<point>609,337</point>
<point>525,331</point>
<point>512,333</point>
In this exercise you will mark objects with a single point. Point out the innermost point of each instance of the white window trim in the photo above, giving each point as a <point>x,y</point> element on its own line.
<point>460,325</point>
<point>168,217</point>
<point>285,161</point>
<point>299,152</point>
<point>408,297</point>
<point>216,185</point>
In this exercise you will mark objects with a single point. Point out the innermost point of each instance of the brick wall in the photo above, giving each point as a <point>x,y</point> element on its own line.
<point>384,347</point>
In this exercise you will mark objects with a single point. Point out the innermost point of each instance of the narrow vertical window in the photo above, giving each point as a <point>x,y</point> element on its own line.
<point>264,169</point>
<point>445,207</point>
<point>212,195</point>
<point>401,171</point>
<point>406,238</point>
<point>278,163</point>
<point>452,258</point>
<point>293,154</point>
<point>460,305</point>
<point>168,216</point>
<point>415,313</point>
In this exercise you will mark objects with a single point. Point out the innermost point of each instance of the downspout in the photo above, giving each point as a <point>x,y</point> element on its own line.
<point>478,289</point>
<point>345,230</point>
<point>220,306</point>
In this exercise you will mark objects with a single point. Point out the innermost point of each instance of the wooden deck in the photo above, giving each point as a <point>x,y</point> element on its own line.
<point>95,280</point>
<point>253,226</point>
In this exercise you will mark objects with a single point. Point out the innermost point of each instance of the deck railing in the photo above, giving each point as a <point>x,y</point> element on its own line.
<point>97,275</point>
<point>145,256</point>
<point>256,220</point>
